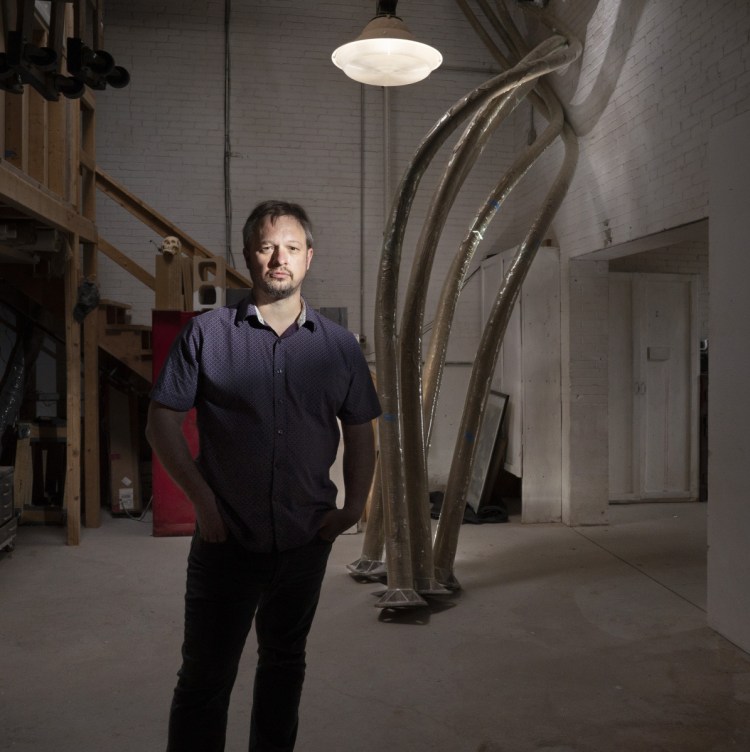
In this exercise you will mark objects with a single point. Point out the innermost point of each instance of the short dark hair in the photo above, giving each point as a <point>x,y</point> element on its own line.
<point>274,210</point>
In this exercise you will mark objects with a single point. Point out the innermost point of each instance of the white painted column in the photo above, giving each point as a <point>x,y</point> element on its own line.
<point>729,372</point>
<point>585,462</point>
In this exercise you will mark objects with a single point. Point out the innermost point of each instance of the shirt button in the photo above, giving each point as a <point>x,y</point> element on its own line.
<point>279,370</point>
<point>279,431</point>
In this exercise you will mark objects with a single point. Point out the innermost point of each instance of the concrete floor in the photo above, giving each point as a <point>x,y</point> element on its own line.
<point>588,639</point>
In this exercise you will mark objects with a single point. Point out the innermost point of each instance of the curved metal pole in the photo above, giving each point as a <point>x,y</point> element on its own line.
<point>464,156</point>
<point>547,102</point>
<point>400,591</point>
<point>370,563</point>
<point>414,437</point>
<point>436,354</point>
<point>446,540</point>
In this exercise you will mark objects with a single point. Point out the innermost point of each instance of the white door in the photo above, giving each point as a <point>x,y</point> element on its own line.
<point>653,387</point>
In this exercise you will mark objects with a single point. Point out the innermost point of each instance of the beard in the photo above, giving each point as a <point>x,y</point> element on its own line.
<point>278,289</point>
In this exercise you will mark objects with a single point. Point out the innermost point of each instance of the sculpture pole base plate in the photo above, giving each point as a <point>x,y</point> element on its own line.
<point>367,568</point>
<point>447,579</point>
<point>400,598</point>
<point>430,586</point>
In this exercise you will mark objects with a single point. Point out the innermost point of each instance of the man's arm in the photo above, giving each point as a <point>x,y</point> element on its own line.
<point>164,433</point>
<point>359,465</point>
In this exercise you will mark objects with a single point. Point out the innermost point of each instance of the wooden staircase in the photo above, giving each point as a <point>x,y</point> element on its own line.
<point>129,343</point>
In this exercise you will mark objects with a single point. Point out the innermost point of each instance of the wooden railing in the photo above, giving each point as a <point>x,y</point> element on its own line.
<point>160,225</point>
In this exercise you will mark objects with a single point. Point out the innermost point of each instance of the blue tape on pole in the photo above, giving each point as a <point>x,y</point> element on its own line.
<point>469,437</point>
<point>389,416</point>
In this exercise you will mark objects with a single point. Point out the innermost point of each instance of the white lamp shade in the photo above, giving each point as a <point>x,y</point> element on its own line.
<point>386,54</point>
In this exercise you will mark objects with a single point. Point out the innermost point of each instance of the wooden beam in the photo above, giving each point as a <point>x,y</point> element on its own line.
<point>17,130</point>
<point>87,159</point>
<point>92,501</point>
<point>169,283</point>
<point>88,162</point>
<point>72,155</point>
<point>127,263</point>
<point>2,93</point>
<point>160,224</point>
<point>73,395</point>
<point>2,120</point>
<point>7,253</point>
<point>38,137</point>
<point>57,140</point>
<point>23,472</point>
<point>34,200</point>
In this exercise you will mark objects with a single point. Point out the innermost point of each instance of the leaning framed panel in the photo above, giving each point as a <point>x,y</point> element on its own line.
<point>489,454</point>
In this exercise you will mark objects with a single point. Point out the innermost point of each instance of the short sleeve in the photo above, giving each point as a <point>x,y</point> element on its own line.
<point>361,404</point>
<point>177,383</point>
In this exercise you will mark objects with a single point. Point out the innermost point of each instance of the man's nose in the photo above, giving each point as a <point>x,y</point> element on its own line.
<point>280,256</point>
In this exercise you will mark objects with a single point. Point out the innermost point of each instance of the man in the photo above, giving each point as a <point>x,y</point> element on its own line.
<point>268,378</point>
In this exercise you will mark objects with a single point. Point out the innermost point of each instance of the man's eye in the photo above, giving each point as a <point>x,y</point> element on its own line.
<point>266,248</point>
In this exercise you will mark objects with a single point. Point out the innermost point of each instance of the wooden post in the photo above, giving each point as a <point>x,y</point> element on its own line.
<point>2,93</point>
<point>73,402</point>
<point>17,130</point>
<point>57,136</point>
<point>38,137</point>
<point>38,130</point>
<point>92,516</point>
<point>87,158</point>
<point>91,491</point>
<point>23,473</point>
<point>169,294</point>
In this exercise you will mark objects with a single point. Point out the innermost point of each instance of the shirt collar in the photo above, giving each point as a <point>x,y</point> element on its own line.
<point>247,309</point>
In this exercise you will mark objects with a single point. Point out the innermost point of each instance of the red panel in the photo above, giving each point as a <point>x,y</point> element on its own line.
<point>173,512</point>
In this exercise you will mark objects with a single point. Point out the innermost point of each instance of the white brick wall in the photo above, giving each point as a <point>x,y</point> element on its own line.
<point>295,130</point>
<point>162,136</point>
<point>653,80</point>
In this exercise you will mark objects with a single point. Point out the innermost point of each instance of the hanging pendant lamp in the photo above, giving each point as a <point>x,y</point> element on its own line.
<point>386,53</point>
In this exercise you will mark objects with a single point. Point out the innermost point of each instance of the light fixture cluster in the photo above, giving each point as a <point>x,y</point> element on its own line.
<point>25,63</point>
<point>386,53</point>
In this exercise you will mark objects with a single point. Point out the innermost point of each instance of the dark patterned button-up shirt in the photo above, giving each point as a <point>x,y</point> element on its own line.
<point>266,413</point>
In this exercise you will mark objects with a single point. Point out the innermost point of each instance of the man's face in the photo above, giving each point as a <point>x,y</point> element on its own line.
<point>278,257</point>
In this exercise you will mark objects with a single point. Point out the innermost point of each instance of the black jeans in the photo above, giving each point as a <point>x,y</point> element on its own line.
<point>228,586</point>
